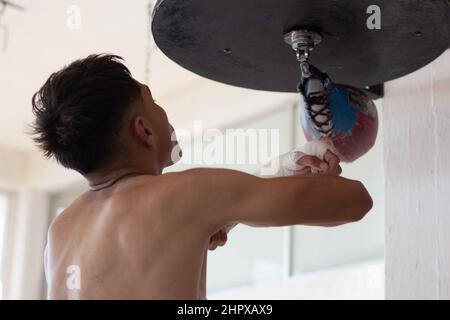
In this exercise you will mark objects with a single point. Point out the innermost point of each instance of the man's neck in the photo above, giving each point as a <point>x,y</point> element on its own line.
<point>102,180</point>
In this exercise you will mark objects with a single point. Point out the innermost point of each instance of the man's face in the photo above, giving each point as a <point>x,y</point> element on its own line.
<point>164,134</point>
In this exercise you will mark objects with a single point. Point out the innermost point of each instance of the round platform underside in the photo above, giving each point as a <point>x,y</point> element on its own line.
<point>240,42</point>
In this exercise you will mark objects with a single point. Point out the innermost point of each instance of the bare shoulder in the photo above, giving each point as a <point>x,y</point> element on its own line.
<point>201,176</point>
<point>206,194</point>
<point>184,187</point>
<point>206,184</point>
<point>177,201</point>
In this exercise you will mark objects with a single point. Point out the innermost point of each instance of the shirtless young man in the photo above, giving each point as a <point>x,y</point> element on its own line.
<point>141,234</point>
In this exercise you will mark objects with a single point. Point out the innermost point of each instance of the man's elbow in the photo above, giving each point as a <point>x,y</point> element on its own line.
<point>364,204</point>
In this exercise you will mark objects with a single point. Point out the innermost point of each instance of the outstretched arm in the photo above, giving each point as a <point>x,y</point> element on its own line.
<point>219,197</point>
<point>313,157</point>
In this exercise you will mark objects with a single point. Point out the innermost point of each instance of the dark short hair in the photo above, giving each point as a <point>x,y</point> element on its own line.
<point>79,111</point>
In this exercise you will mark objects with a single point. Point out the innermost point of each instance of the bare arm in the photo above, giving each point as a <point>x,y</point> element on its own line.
<point>220,197</point>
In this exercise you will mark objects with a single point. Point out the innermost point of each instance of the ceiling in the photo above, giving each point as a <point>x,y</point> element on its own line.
<point>40,42</point>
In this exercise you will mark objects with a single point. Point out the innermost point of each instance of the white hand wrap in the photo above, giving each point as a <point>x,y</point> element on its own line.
<point>286,164</point>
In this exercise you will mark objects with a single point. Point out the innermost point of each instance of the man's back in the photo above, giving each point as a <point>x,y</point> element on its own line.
<point>129,241</point>
<point>146,237</point>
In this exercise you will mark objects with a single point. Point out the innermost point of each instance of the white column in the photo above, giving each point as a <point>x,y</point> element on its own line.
<point>416,116</point>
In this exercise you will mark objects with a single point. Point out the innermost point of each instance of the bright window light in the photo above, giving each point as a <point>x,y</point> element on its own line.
<point>3,207</point>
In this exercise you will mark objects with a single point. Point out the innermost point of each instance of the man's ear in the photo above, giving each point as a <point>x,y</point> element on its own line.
<point>142,131</point>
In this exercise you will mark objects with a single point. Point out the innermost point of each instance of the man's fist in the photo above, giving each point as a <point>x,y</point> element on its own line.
<point>220,237</point>
<point>312,164</point>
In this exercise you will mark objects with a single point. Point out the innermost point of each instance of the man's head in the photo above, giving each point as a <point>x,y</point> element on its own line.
<point>92,115</point>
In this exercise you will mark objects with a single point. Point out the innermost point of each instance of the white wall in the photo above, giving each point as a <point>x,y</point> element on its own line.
<point>416,117</point>
<point>13,167</point>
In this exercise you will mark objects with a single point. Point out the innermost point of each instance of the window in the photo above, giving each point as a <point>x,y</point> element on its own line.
<point>3,209</point>
<point>345,262</point>
<point>251,256</point>
<point>292,262</point>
